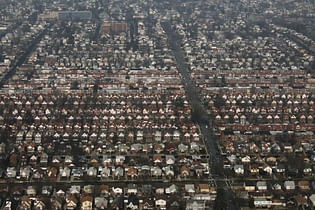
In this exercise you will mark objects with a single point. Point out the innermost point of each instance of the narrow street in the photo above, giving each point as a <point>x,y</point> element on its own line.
<point>192,92</point>
<point>203,118</point>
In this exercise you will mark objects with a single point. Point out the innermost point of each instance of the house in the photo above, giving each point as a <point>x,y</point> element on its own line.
<point>249,185</point>
<point>120,160</point>
<point>68,159</point>
<point>11,172</point>
<point>100,203</point>
<point>267,169</point>
<point>38,138</point>
<point>88,189</point>
<point>146,203</point>
<point>160,204</point>
<point>91,172</point>
<point>117,190</point>
<point>254,169</point>
<point>43,159</point>
<point>105,172</point>
<point>65,172</point>
<point>77,172</point>
<point>174,203</point>
<point>272,160</point>
<point>307,169</point>
<point>157,136</point>
<point>39,204</point>
<point>56,159</point>
<point>184,171</point>
<point>203,188</point>
<point>25,172</point>
<point>195,205</point>
<point>19,136</point>
<point>118,203</point>
<point>47,190</point>
<point>182,148</point>
<point>276,186</point>
<point>176,135</point>
<point>156,171</point>
<point>86,202</point>
<point>104,189</point>
<point>145,171</point>
<point>157,158</point>
<point>300,200</point>
<point>7,205</point>
<point>132,172</point>
<point>204,197</point>
<point>194,146</point>
<point>158,148</point>
<point>31,148</point>
<point>52,172</point>
<point>60,192</point>
<point>56,203</point>
<point>262,202</point>
<point>146,189</point>
<point>261,185</point>
<point>31,191</point>
<point>304,185</point>
<point>71,202</point>
<point>246,159</point>
<point>33,160</point>
<point>136,147</point>
<point>107,161</point>
<point>190,189</point>
<point>118,172</point>
<point>278,202</point>
<point>159,190</point>
<point>170,159</point>
<point>280,168</point>
<point>289,185</point>
<point>239,169</point>
<point>132,189</point>
<point>26,203</point>
<point>171,189</point>
<point>75,190</point>
<point>169,171</point>
<point>132,202</point>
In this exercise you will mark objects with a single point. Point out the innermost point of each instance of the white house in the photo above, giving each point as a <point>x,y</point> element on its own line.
<point>239,169</point>
<point>289,185</point>
<point>261,185</point>
<point>160,203</point>
<point>262,202</point>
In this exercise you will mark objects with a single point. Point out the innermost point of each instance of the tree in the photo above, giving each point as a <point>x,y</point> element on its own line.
<point>220,202</point>
<point>219,101</point>
<point>223,81</point>
<point>179,102</point>
<point>218,167</point>
<point>74,85</point>
<point>28,118</point>
<point>95,87</point>
<point>196,115</point>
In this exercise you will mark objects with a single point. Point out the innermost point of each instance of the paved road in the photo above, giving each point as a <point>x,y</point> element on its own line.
<point>192,92</point>
<point>194,96</point>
